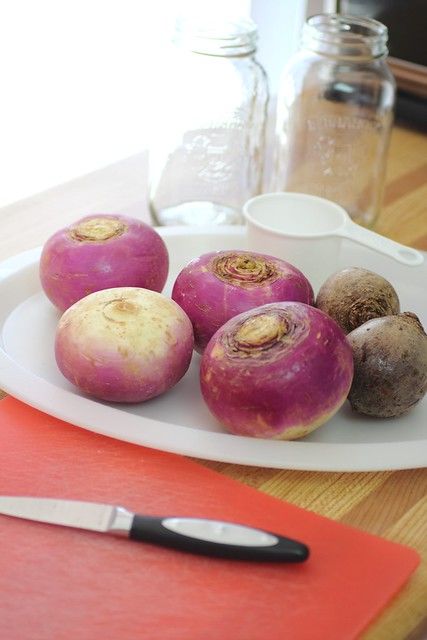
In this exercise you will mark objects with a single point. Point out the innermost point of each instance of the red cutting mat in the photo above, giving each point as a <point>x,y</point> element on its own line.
<point>58,583</point>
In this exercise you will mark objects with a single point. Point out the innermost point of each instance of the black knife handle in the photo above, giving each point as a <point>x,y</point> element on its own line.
<point>203,536</point>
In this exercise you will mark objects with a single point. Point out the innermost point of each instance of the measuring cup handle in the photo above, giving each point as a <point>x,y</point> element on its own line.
<point>400,252</point>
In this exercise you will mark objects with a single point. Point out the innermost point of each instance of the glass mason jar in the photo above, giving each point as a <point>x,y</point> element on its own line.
<point>206,158</point>
<point>334,115</point>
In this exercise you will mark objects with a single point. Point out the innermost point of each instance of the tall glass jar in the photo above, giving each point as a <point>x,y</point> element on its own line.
<point>334,115</point>
<point>206,158</point>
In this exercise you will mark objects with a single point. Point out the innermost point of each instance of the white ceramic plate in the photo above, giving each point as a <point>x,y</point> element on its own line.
<point>179,421</point>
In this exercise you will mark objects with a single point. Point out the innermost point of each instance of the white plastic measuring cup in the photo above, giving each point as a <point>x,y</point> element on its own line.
<point>307,231</point>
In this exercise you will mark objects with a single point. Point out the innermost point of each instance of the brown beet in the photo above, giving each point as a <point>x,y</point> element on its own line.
<point>390,365</point>
<point>355,295</point>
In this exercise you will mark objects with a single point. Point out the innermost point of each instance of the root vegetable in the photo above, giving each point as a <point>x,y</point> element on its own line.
<point>102,251</point>
<point>355,295</point>
<point>124,345</point>
<point>390,365</point>
<point>277,371</point>
<point>219,285</point>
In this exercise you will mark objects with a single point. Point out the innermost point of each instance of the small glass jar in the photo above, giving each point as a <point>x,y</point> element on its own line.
<point>334,115</point>
<point>206,158</point>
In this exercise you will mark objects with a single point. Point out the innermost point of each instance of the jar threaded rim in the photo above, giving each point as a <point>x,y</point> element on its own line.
<point>345,36</point>
<point>226,38</point>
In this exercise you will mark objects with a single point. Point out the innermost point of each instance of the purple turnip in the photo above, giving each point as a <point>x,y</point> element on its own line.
<point>219,285</point>
<point>102,251</point>
<point>277,371</point>
<point>124,345</point>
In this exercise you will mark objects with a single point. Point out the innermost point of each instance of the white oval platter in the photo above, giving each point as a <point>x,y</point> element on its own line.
<point>179,421</point>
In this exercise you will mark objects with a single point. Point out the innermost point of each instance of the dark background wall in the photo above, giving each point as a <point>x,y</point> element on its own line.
<point>406,21</point>
<point>407,25</point>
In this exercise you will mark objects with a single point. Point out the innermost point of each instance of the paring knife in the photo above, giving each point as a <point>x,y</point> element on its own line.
<point>196,535</point>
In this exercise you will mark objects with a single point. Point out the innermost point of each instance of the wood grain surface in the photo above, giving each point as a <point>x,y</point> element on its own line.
<point>392,504</point>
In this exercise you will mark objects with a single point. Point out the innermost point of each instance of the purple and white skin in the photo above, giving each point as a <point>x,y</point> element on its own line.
<point>277,371</point>
<point>124,345</point>
<point>219,285</point>
<point>102,251</point>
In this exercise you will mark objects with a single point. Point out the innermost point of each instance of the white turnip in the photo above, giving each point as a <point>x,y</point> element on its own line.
<point>124,345</point>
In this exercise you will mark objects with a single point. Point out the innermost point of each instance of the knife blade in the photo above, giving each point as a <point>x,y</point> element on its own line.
<point>195,535</point>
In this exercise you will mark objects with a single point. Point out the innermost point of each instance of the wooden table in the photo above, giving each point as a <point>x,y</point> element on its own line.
<point>392,504</point>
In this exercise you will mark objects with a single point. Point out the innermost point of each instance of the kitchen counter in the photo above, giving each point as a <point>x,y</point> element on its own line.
<point>392,504</point>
